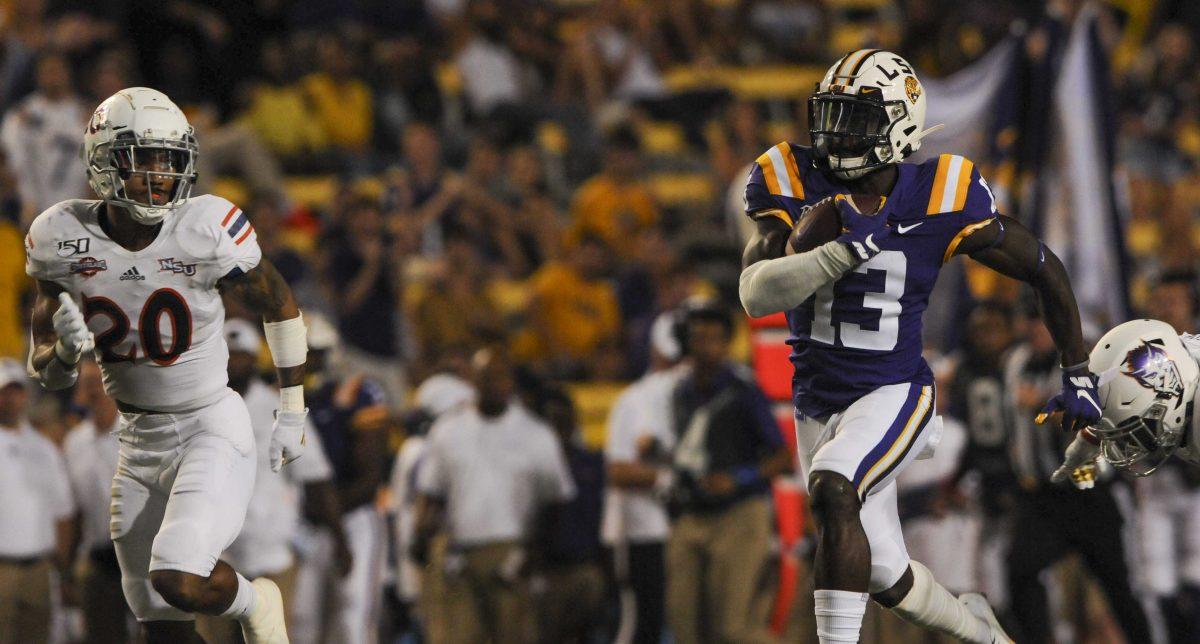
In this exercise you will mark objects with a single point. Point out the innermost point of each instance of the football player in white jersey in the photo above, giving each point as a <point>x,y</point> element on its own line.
<point>1149,385</point>
<point>137,278</point>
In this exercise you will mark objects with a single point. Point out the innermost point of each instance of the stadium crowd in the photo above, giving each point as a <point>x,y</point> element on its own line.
<point>496,214</point>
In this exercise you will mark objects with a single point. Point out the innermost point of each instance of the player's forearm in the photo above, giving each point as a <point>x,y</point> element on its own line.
<point>67,537</point>
<point>781,284</point>
<point>44,363</point>
<point>631,475</point>
<point>1060,311</point>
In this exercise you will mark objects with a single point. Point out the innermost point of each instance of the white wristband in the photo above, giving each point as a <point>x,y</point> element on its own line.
<point>291,398</point>
<point>288,341</point>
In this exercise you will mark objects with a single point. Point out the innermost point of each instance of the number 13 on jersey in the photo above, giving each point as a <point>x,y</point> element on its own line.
<point>851,335</point>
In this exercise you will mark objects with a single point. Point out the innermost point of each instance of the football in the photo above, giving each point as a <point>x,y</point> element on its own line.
<point>821,223</point>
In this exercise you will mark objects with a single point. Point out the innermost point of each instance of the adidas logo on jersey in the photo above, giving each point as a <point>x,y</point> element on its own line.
<point>132,274</point>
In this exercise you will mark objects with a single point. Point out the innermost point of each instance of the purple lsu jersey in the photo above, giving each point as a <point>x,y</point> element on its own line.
<point>863,331</point>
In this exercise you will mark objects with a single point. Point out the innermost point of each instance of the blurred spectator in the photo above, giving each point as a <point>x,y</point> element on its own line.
<point>1161,88</point>
<point>491,73</point>
<point>440,393</point>
<point>975,397</point>
<point>41,138</point>
<point>574,319</point>
<point>425,193</point>
<point>614,205</point>
<point>263,548</point>
<point>734,142</point>
<point>569,607</point>
<point>1052,521</point>
<point>90,451</point>
<point>1174,299</point>
<point>341,100</point>
<point>454,311</point>
<point>492,479</point>
<point>358,271</point>
<point>232,150</point>
<point>279,112</point>
<point>112,72</point>
<point>36,517</point>
<point>638,447</point>
<point>535,217</point>
<point>351,419</point>
<point>405,88</point>
<point>611,57</point>
<point>728,450</point>
<point>13,283</point>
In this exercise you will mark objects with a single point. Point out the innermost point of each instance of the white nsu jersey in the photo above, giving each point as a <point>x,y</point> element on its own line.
<point>156,314</point>
<point>1190,449</point>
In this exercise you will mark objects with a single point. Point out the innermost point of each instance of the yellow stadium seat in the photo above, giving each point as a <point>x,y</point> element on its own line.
<point>662,138</point>
<point>677,189</point>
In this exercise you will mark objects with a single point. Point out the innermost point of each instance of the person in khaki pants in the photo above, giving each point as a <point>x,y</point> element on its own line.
<point>729,447</point>
<point>36,516</point>
<point>490,479</point>
<point>91,452</point>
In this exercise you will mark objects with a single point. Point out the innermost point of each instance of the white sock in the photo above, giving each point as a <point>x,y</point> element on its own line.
<point>930,605</point>
<point>243,601</point>
<point>839,615</point>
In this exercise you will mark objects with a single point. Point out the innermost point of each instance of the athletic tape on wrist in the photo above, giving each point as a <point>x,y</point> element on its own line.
<point>288,341</point>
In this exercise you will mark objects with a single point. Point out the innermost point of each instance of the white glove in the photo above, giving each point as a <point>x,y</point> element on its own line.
<point>1079,465</point>
<point>287,437</point>
<point>74,338</point>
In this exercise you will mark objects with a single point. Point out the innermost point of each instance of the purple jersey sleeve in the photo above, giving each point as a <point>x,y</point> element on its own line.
<point>758,198</point>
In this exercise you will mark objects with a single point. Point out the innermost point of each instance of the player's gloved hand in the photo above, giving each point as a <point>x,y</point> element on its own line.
<point>74,338</point>
<point>1077,402</point>
<point>860,233</point>
<point>287,437</point>
<point>1079,464</point>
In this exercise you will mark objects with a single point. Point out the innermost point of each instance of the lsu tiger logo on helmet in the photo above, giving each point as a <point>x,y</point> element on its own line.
<point>1153,369</point>
<point>912,88</point>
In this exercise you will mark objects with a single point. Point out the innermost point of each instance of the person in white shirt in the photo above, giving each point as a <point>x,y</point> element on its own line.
<point>263,548</point>
<point>437,395</point>
<point>40,138</point>
<point>36,516</point>
<point>91,452</point>
<point>635,526</point>
<point>491,478</point>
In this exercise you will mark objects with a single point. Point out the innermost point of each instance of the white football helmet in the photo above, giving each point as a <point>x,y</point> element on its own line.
<point>867,112</point>
<point>1147,384</point>
<point>139,131</point>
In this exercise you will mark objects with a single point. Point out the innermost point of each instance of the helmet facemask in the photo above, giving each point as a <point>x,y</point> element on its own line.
<point>851,134</point>
<point>1140,444</point>
<point>154,160</point>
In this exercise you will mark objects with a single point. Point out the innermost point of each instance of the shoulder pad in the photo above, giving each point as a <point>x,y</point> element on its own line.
<point>780,172</point>
<point>949,178</point>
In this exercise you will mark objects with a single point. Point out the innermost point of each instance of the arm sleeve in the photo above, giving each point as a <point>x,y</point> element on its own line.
<point>759,201</point>
<point>237,249</point>
<point>431,475</point>
<point>41,263</point>
<point>783,283</point>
